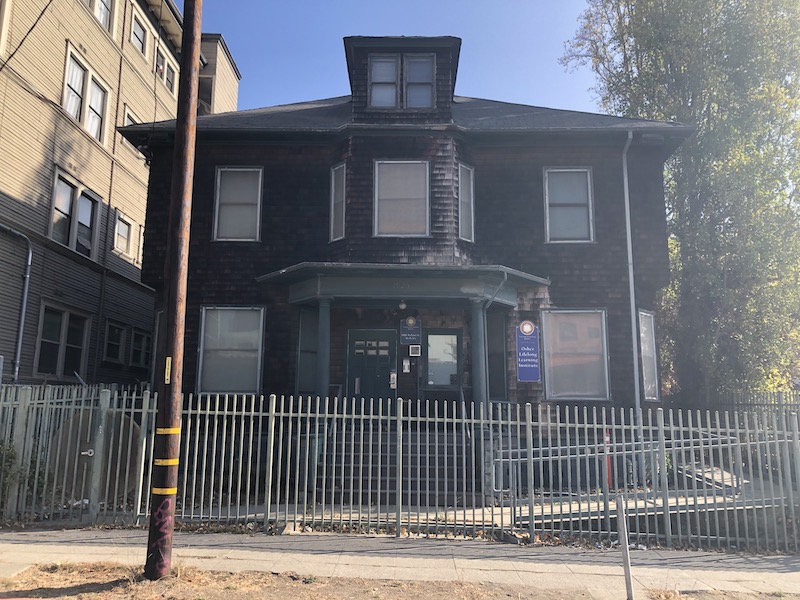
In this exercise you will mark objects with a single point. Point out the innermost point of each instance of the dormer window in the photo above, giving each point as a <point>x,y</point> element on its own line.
<point>401,81</point>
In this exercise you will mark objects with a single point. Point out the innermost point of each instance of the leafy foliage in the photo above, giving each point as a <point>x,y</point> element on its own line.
<point>731,68</point>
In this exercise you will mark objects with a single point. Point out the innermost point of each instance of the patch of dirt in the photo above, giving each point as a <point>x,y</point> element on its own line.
<point>114,581</point>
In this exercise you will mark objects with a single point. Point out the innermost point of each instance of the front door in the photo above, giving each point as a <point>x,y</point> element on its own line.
<point>372,363</point>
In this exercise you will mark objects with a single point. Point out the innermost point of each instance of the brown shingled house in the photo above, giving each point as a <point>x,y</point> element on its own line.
<point>404,241</point>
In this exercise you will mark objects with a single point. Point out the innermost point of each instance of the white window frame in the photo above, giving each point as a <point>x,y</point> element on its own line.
<point>90,77</point>
<point>119,358</point>
<point>201,353</point>
<point>469,236</point>
<point>62,343</point>
<point>161,74</point>
<point>589,206</point>
<point>376,199</point>
<point>145,34</point>
<point>146,349</point>
<point>333,223</point>
<point>215,237</point>
<point>547,353</point>
<point>648,315</point>
<point>120,217</point>
<point>78,190</point>
<point>93,6</point>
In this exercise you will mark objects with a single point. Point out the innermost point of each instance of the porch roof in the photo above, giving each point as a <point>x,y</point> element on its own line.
<point>390,282</point>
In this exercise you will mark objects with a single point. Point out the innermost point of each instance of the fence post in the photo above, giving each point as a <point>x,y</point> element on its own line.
<point>662,468</point>
<point>796,446</point>
<point>399,466</point>
<point>140,456</point>
<point>18,472</point>
<point>529,441</point>
<point>622,528</point>
<point>99,458</point>
<point>269,449</point>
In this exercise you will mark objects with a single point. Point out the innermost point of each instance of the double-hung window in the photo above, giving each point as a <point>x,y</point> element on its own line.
<point>74,221</point>
<point>230,354</point>
<point>466,203</point>
<point>123,233</point>
<point>568,205</point>
<point>337,202</point>
<point>139,35</point>
<point>114,349</point>
<point>402,81</point>
<point>237,215</point>
<point>141,344</point>
<point>575,354</point>
<point>61,348</point>
<point>165,71</point>
<point>85,97</point>
<point>401,198</point>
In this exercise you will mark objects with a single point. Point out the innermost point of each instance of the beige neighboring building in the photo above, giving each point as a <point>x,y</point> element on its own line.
<point>71,73</point>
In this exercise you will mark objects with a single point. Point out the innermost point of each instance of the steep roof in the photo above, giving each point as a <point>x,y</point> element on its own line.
<point>470,115</point>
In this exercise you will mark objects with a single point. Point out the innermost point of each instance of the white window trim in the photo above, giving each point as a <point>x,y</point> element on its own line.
<point>91,7</point>
<point>80,189</point>
<point>471,170</point>
<point>167,62</point>
<point>427,233</point>
<point>401,82</point>
<point>343,167</point>
<point>604,338</point>
<point>120,359</point>
<point>260,170</point>
<point>62,341</point>
<point>147,347</point>
<point>91,75</point>
<point>589,183</point>
<point>136,17</point>
<point>5,12</point>
<point>649,315</point>
<point>201,343</point>
<point>120,216</point>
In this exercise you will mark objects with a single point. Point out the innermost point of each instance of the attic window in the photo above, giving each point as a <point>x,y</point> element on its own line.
<point>405,81</point>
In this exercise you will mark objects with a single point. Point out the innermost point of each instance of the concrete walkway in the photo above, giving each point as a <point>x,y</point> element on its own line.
<point>596,572</point>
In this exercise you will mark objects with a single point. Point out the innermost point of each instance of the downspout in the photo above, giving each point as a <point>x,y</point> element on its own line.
<point>631,286</point>
<point>26,279</point>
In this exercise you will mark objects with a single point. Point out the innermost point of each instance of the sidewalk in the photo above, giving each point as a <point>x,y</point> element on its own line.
<point>597,572</point>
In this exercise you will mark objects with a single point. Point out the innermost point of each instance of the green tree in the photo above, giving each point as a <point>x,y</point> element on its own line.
<point>730,68</point>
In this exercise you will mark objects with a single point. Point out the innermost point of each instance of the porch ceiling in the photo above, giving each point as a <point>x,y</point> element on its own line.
<point>391,282</point>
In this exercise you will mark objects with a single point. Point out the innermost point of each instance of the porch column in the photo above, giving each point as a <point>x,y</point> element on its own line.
<point>480,394</point>
<point>324,347</point>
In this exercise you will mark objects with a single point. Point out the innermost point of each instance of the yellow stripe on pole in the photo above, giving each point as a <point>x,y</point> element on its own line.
<point>168,430</point>
<point>165,462</point>
<point>165,491</point>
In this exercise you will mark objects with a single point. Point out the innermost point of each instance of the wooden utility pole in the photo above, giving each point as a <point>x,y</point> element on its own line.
<point>170,374</point>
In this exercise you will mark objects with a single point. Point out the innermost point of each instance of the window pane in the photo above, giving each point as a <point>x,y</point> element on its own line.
<point>160,64</point>
<point>237,222</point>
<point>419,70</point>
<point>75,330</point>
<point>402,180</point>
<point>139,35</point>
<point>62,211</point>
<point>465,203</point>
<point>647,340</point>
<point>569,223</point>
<point>123,238</point>
<point>337,203</point>
<point>169,79</point>
<point>51,325</point>
<point>97,102</point>
<point>85,223</point>
<point>103,12</point>
<point>384,95</point>
<point>384,70</point>
<point>239,186</point>
<point>75,76</point>
<point>231,343</point>
<point>567,187</point>
<point>402,199</point>
<point>72,360</point>
<point>442,359</point>
<point>575,357</point>
<point>419,95</point>
<point>48,357</point>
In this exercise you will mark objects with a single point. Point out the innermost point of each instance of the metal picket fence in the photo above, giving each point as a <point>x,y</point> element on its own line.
<point>537,474</point>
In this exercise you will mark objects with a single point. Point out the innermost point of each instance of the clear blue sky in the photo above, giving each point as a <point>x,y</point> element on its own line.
<point>291,51</point>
